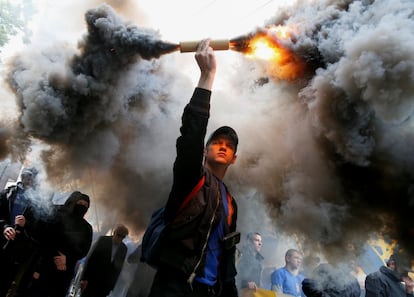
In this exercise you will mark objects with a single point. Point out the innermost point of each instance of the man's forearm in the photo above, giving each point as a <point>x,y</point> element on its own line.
<point>206,81</point>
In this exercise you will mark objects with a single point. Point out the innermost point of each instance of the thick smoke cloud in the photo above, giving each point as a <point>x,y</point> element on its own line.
<point>359,108</point>
<point>324,161</point>
<point>96,106</point>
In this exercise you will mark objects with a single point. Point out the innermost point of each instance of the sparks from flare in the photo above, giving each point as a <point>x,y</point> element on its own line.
<point>267,45</point>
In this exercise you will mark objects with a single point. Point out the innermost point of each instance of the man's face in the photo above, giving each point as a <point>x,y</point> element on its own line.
<point>294,260</point>
<point>27,181</point>
<point>221,150</point>
<point>256,242</point>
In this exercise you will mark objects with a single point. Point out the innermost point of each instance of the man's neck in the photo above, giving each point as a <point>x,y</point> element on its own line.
<point>294,271</point>
<point>218,171</point>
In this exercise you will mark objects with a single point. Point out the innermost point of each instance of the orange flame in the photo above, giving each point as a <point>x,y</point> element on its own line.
<point>266,45</point>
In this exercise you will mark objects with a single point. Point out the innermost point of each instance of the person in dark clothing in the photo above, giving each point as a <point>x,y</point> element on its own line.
<point>18,243</point>
<point>198,254</point>
<point>390,281</point>
<point>329,281</point>
<point>249,268</point>
<point>68,238</point>
<point>104,264</point>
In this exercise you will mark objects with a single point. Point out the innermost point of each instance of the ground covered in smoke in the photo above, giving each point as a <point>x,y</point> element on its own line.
<point>325,158</point>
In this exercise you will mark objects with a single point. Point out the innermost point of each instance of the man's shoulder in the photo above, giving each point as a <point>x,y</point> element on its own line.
<point>7,192</point>
<point>279,271</point>
<point>374,275</point>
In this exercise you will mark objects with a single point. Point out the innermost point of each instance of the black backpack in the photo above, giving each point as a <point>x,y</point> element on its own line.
<point>151,241</point>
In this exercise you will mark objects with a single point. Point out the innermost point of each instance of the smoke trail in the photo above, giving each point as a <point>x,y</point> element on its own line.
<point>349,170</point>
<point>4,137</point>
<point>96,107</point>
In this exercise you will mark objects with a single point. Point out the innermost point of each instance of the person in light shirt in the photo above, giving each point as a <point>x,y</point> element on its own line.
<point>287,279</point>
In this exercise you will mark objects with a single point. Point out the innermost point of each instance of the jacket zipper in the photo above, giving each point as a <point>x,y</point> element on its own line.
<point>193,274</point>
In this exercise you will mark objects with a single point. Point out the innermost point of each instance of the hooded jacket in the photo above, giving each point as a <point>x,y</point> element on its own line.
<point>67,233</point>
<point>384,283</point>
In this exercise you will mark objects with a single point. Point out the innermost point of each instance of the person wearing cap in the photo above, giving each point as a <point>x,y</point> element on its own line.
<point>66,238</point>
<point>104,264</point>
<point>18,243</point>
<point>198,254</point>
<point>390,280</point>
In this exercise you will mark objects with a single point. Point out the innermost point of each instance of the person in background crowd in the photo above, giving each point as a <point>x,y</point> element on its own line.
<point>391,280</point>
<point>18,243</point>
<point>104,264</point>
<point>67,238</point>
<point>287,279</point>
<point>198,255</point>
<point>249,268</point>
<point>329,281</point>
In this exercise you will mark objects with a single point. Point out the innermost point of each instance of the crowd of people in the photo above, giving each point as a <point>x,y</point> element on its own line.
<point>324,280</point>
<point>39,253</point>
<point>198,251</point>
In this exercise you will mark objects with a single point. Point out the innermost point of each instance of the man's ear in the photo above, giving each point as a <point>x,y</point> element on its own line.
<point>234,159</point>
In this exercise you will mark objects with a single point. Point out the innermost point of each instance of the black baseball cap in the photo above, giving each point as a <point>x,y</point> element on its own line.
<point>225,131</point>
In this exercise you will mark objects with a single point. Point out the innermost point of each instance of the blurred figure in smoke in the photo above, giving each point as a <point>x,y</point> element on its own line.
<point>18,244</point>
<point>143,275</point>
<point>329,281</point>
<point>66,238</point>
<point>287,279</point>
<point>198,257</point>
<point>391,280</point>
<point>249,268</point>
<point>104,264</point>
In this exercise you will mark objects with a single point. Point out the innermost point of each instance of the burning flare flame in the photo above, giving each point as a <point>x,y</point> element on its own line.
<point>267,45</point>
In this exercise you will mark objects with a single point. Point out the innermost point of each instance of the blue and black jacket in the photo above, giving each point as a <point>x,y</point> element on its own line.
<point>195,206</point>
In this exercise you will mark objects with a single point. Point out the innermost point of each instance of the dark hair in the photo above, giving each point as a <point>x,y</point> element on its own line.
<point>250,235</point>
<point>290,252</point>
<point>121,230</point>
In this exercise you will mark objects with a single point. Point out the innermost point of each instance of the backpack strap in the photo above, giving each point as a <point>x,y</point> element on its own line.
<point>195,190</point>
<point>231,209</point>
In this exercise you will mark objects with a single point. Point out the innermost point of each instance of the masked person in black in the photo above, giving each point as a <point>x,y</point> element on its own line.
<point>67,239</point>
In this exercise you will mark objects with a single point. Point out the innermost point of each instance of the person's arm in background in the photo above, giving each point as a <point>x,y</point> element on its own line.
<point>277,282</point>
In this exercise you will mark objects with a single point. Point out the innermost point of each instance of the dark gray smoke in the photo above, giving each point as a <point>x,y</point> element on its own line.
<point>324,161</point>
<point>97,107</point>
<point>349,173</point>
